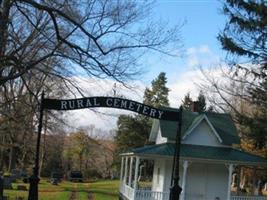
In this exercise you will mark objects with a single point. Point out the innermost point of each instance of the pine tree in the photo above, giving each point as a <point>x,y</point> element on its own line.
<point>133,131</point>
<point>199,105</point>
<point>245,33</point>
<point>187,102</point>
<point>158,94</point>
<point>201,99</point>
<point>245,37</point>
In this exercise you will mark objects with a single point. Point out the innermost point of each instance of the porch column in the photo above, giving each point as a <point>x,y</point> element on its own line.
<point>122,163</point>
<point>125,170</point>
<point>137,161</point>
<point>230,170</point>
<point>185,166</point>
<point>131,170</point>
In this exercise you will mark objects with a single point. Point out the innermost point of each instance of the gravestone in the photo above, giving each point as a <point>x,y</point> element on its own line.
<point>7,182</point>
<point>21,187</point>
<point>16,174</point>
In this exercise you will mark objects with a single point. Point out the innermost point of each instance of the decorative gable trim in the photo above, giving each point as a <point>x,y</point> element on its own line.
<point>213,129</point>
<point>203,117</point>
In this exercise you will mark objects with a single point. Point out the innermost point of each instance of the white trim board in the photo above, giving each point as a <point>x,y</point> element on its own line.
<point>203,117</point>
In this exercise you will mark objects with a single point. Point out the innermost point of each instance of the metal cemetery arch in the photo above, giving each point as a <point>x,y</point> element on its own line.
<point>109,102</point>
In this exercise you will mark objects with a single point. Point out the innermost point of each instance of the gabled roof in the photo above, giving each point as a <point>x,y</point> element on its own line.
<point>221,123</point>
<point>198,152</point>
<point>196,122</point>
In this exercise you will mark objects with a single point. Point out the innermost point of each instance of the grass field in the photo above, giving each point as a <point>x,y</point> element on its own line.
<point>101,190</point>
<point>105,190</point>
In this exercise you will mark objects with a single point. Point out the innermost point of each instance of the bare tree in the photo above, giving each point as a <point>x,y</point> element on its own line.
<point>19,113</point>
<point>227,91</point>
<point>244,39</point>
<point>100,38</point>
<point>44,43</point>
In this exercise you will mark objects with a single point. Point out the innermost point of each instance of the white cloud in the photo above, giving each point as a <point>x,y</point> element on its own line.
<point>105,118</point>
<point>186,83</point>
<point>200,56</point>
<point>191,50</point>
<point>204,49</point>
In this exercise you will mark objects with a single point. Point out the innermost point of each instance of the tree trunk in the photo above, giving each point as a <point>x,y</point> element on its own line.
<point>4,19</point>
<point>1,158</point>
<point>81,160</point>
<point>10,163</point>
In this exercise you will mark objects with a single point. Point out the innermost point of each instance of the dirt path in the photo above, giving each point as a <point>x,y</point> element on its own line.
<point>73,194</point>
<point>91,196</point>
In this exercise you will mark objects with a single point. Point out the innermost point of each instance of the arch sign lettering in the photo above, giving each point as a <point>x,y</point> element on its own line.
<point>107,102</point>
<point>110,102</point>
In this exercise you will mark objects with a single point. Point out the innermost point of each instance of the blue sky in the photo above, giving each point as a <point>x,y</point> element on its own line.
<point>201,48</point>
<point>204,20</point>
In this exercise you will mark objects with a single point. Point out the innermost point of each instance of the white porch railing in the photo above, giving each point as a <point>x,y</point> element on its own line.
<point>151,195</point>
<point>248,198</point>
<point>127,191</point>
<point>132,194</point>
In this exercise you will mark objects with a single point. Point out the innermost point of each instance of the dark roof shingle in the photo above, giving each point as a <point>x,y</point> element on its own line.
<point>202,152</point>
<point>222,123</point>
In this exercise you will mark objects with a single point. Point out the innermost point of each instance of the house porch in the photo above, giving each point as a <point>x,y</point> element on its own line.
<point>130,189</point>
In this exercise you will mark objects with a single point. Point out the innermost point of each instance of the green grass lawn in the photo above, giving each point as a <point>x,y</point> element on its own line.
<point>105,190</point>
<point>102,190</point>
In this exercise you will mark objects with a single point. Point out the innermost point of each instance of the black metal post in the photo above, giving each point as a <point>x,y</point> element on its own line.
<point>1,188</point>
<point>175,189</point>
<point>34,179</point>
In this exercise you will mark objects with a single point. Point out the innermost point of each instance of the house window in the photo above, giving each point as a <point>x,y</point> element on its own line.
<point>158,174</point>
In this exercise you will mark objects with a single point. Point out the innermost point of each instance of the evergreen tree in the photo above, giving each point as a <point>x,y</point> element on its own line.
<point>245,36</point>
<point>201,99</point>
<point>200,103</point>
<point>133,131</point>
<point>158,94</point>
<point>187,102</point>
<point>245,33</point>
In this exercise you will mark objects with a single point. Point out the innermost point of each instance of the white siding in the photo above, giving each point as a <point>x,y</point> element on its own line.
<point>206,181</point>
<point>202,135</point>
<point>158,179</point>
<point>165,166</point>
<point>168,174</point>
<point>203,181</point>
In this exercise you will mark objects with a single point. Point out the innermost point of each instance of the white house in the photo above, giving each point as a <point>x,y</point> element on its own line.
<point>207,160</point>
